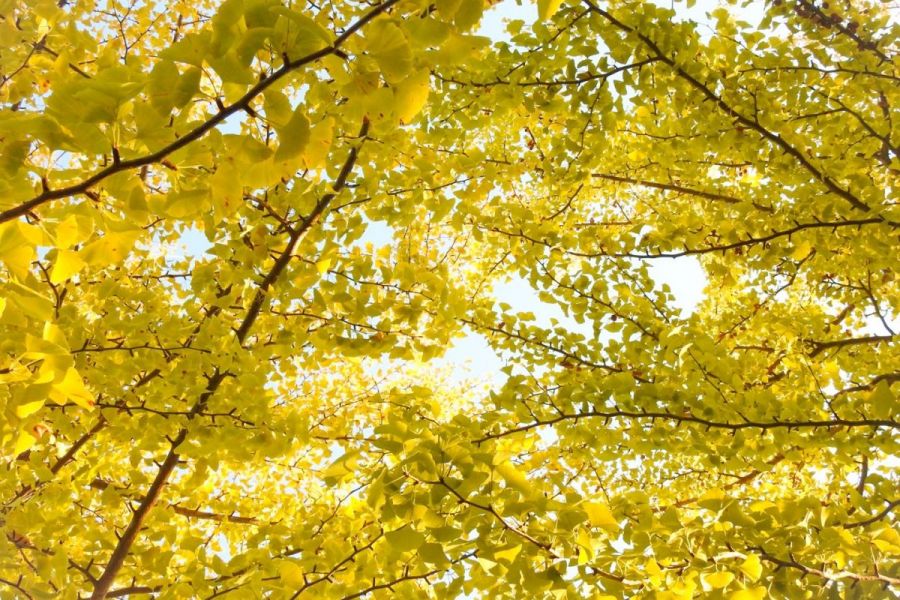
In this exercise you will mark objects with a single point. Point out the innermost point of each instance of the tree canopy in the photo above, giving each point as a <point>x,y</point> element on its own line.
<point>237,238</point>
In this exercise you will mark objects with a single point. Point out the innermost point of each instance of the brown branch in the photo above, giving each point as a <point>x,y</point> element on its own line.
<point>198,132</point>
<point>133,589</point>
<point>888,377</point>
<point>61,462</point>
<point>808,10</point>
<point>667,416</point>
<point>552,83</point>
<point>773,138</point>
<point>389,585</point>
<point>875,518</point>
<point>334,569</point>
<point>123,547</point>
<point>819,347</point>
<point>668,187</point>
<point>829,576</point>
<point>18,586</point>
<point>191,513</point>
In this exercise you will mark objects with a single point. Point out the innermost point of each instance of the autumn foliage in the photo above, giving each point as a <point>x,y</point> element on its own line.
<point>237,239</point>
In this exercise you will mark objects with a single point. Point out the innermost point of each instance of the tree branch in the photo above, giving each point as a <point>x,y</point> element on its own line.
<point>123,547</point>
<point>198,132</point>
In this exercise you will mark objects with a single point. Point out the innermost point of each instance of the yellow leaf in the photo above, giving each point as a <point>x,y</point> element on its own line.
<point>427,517</point>
<point>24,442</point>
<point>278,108</point>
<point>600,516</point>
<point>757,593</point>
<point>717,580</point>
<point>513,477</point>
<point>320,139</point>
<point>293,137</point>
<point>509,554</point>
<point>323,265</point>
<point>713,494</point>
<point>486,564</point>
<point>654,573</point>
<point>389,47</point>
<point>68,263</point>
<point>548,8</point>
<point>882,398</point>
<point>226,188</point>
<point>801,250</point>
<point>468,14</point>
<point>111,248</point>
<point>290,573</point>
<point>433,554</point>
<point>29,408</point>
<point>30,302</point>
<point>72,388</point>
<point>411,95</point>
<point>67,232</point>
<point>752,567</point>
<point>404,539</point>
<point>16,248</point>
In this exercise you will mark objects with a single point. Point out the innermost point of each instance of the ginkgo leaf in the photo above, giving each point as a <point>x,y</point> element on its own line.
<point>111,248</point>
<point>433,554</point>
<point>548,8</point>
<point>752,567</point>
<point>882,398</point>
<point>387,44</point>
<point>323,265</point>
<point>169,88</point>
<point>72,387</point>
<point>28,408</point>
<point>801,250</point>
<point>68,232</point>
<point>226,188</point>
<point>411,95</point>
<point>24,442</point>
<point>717,580</point>
<point>756,593</point>
<point>293,137</point>
<point>278,108</point>
<point>468,14</point>
<point>290,573</point>
<point>514,477</point>
<point>601,516</point>
<point>67,264</point>
<point>404,539</point>
<point>509,554</point>
<point>320,140</point>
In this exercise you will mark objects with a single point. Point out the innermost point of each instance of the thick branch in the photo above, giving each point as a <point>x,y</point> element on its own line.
<point>198,132</point>
<point>772,137</point>
<point>123,547</point>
